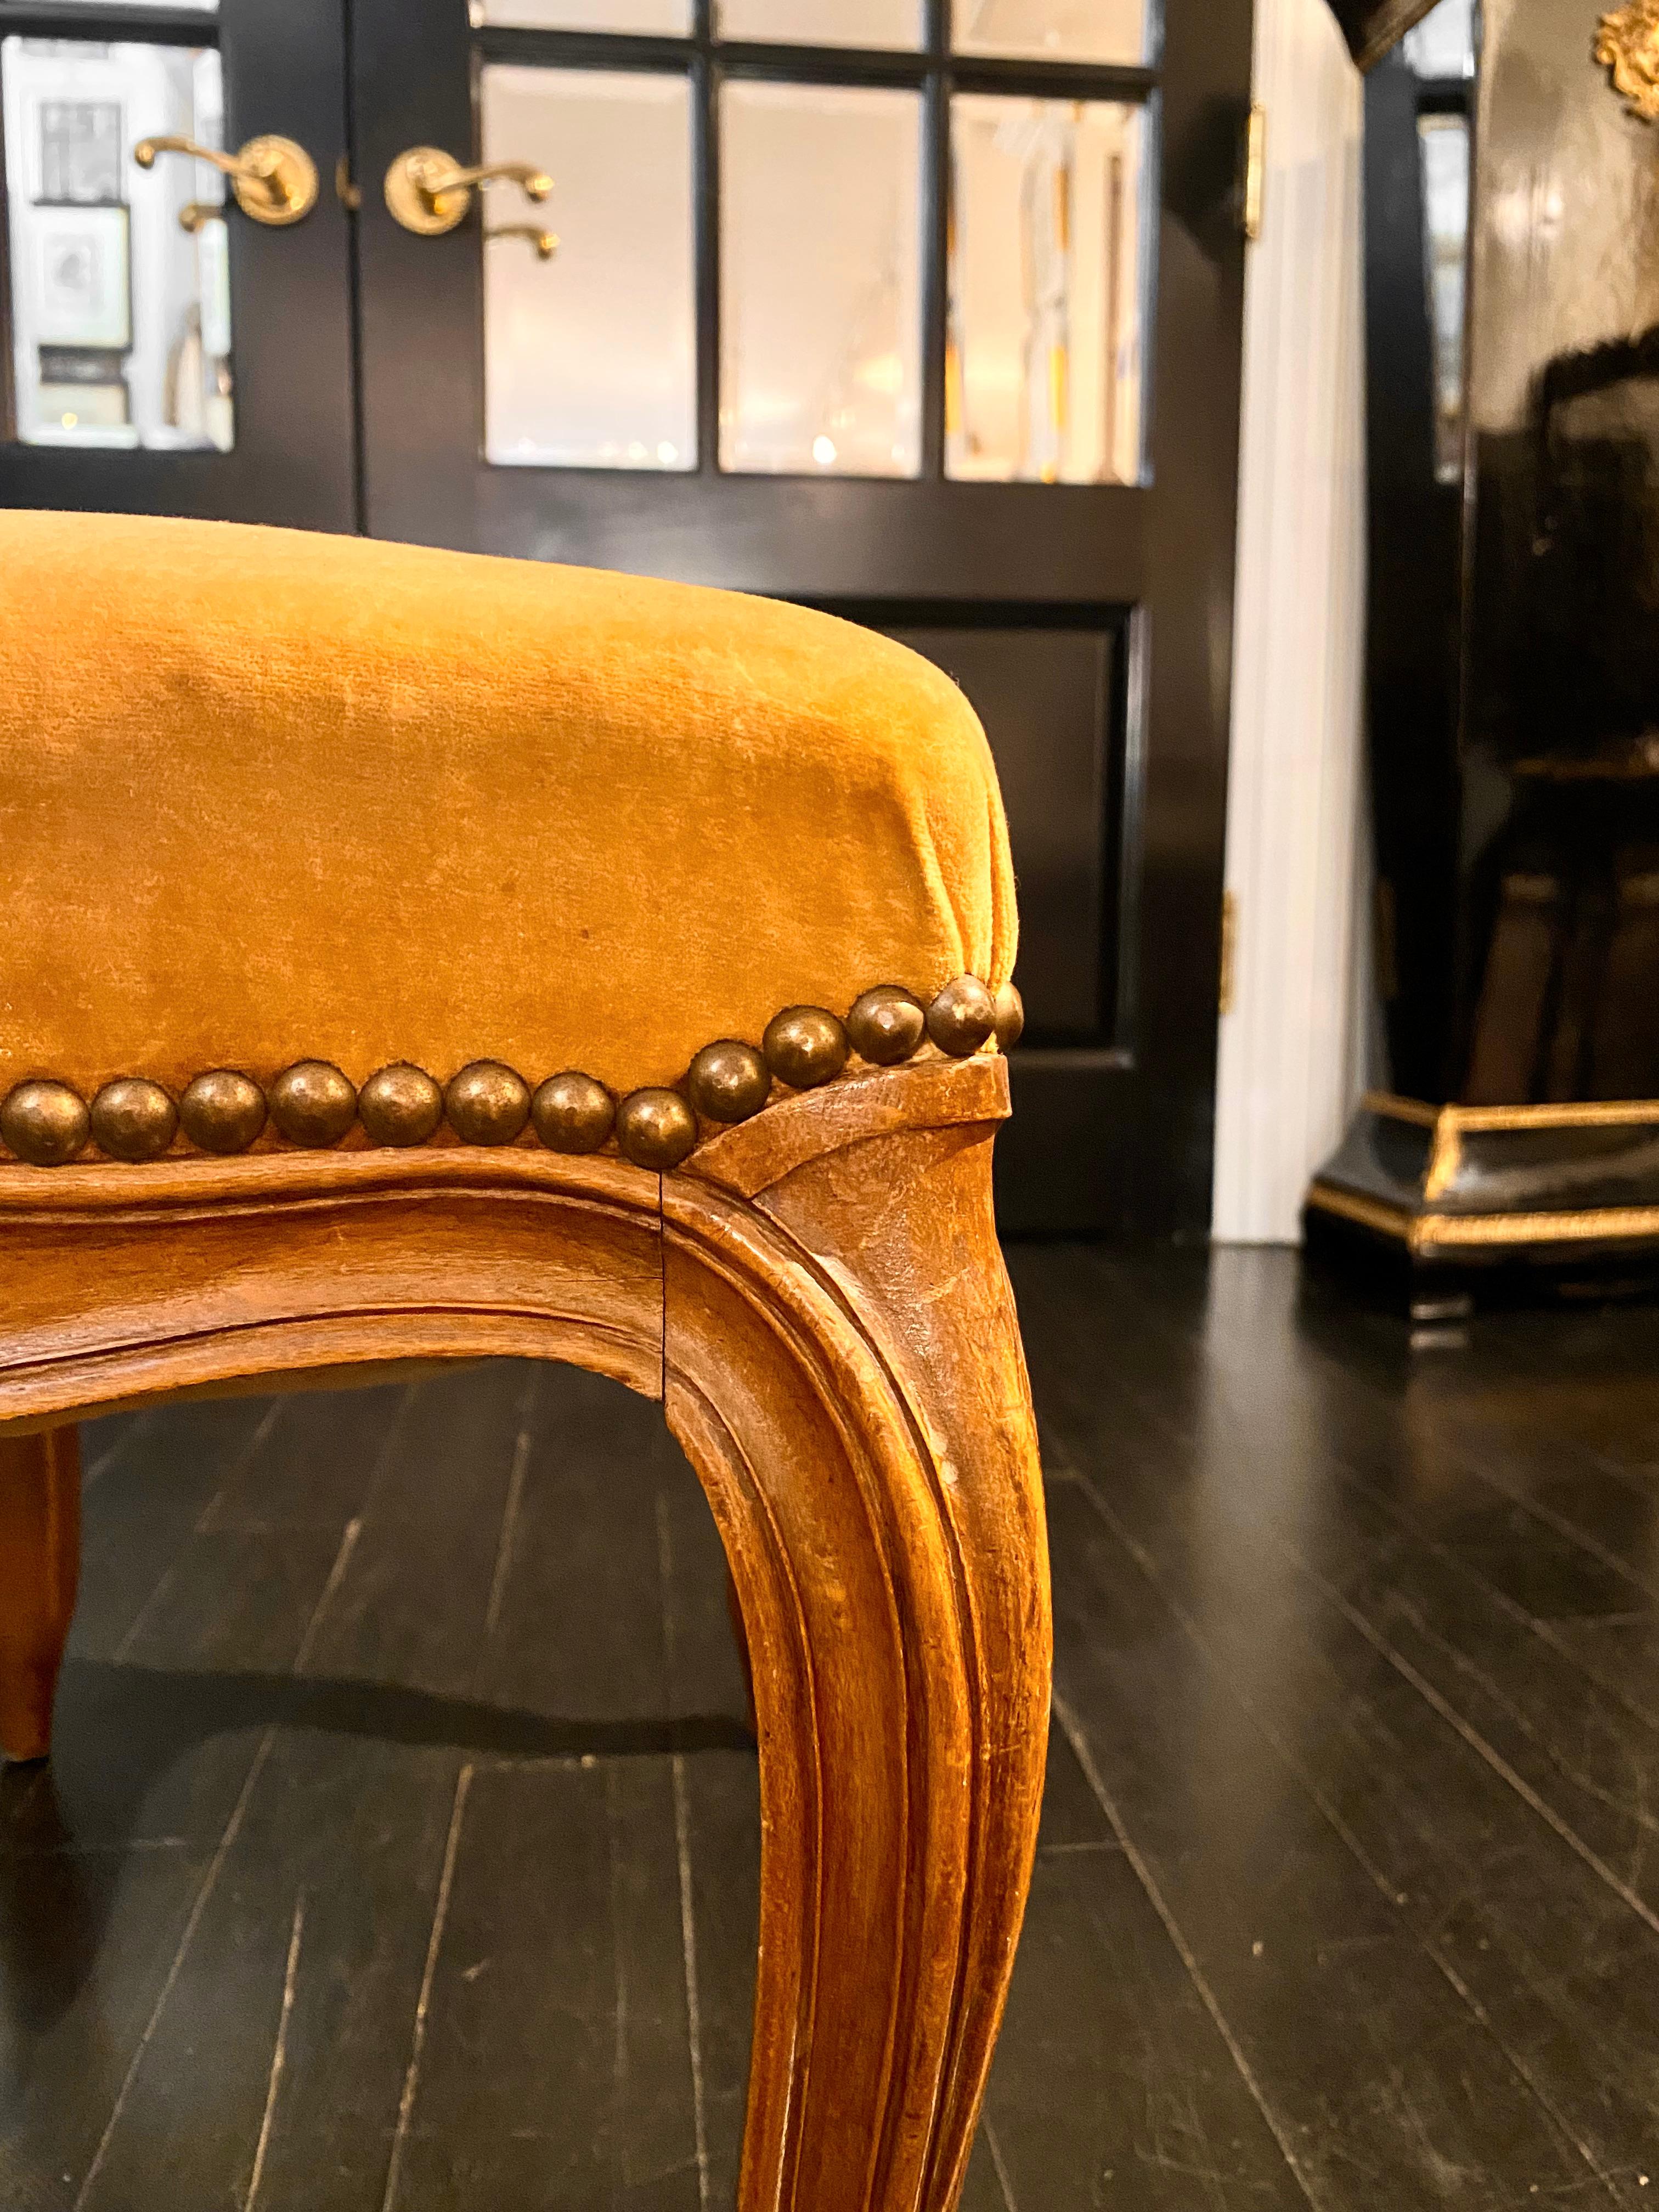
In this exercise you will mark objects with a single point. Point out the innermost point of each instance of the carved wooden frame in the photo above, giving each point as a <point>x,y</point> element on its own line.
<point>818,1300</point>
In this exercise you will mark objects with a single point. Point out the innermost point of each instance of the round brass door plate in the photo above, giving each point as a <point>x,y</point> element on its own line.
<point>427,212</point>
<point>275,181</point>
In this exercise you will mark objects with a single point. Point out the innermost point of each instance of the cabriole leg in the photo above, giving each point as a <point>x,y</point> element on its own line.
<point>844,1372</point>
<point>40,1567</point>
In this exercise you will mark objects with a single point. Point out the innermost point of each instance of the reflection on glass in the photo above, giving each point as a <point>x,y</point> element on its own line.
<point>667,18</point>
<point>590,359</point>
<point>1043,366</point>
<point>120,286</point>
<point>820,280</point>
<point>1443,142</point>
<point>1056,30</point>
<point>1443,43</point>
<point>822,23</point>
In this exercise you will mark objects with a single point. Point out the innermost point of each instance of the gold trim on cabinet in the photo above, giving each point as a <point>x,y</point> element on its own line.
<point>1445,1158</point>
<point>1477,1120</point>
<point>1586,1114</point>
<point>1455,1232</point>
<point>1388,1108</point>
<point>1425,1234</point>
<point>1370,1212</point>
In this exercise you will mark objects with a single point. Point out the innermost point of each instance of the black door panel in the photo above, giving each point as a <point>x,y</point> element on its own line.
<point>1051,702</point>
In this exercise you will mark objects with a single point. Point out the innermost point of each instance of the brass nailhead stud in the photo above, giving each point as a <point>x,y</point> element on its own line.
<point>573,1113</point>
<point>1011,1017</point>
<point>655,1129</point>
<point>887,1025</point>
<point>729,1080</point>
<point>222,1111</point>
<point>133,1119</point>
<point>804,1046</point>
<point>313,1103</point>
<point>44,1123</point>
<point>962,1017</point>
<point>487,1103</point>
<point>401,1105</point>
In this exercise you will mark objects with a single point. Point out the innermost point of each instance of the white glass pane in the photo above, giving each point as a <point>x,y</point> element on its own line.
<point>1044,368</point>
<point>822,23</point>
<point>1057,30</point>
<point>820,280</point>
<point>666,18</point>
<point>1444,141</point>
<point>119,276</point>
<point>590,358</point>
<point>1443,43</point>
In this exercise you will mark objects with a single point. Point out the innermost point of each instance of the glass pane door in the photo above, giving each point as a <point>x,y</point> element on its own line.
<point>120,277</point>
<point>821,243</point>
<point>755,240</point>
<point>1044,367</point>
<point>590,329</point>
<point>889,308</point>
<point>153,303</point>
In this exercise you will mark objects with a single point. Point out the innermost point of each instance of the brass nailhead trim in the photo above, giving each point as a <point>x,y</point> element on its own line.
<point>961,1018</point>
<point>887,1025</point>
<point>487,1103</point>
<point>313,1103</point>
<point>655,1129</point>
<point>222,1111</point>
<point>133,1120</point>
<point>804,1046</point>
<point>45,1123</point>
<point>729,1081</point>
<point>573,1113</point>
<point>401,1105</point>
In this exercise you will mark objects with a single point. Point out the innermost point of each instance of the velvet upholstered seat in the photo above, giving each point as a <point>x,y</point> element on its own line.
<point>405,956</point>
<point>267,794</point>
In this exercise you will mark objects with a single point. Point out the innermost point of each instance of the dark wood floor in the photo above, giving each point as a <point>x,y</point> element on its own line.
<point>400,1851</point>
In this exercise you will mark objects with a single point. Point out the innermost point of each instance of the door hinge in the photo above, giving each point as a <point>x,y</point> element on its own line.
<point>1229,950</point>
<point>1255,171</point>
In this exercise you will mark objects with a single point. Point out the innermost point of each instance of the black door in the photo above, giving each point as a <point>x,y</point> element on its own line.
<point>925,313</point>
<point>928,312</point>
<point>167,352</point>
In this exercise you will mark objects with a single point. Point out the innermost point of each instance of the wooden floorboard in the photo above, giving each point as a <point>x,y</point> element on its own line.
<point>401,1850</point>
<point>1545,1945</point>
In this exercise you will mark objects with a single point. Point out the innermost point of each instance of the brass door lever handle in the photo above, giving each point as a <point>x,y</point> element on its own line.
<point>545,243</point>
<point>429,193</point>
<point>274,180</point>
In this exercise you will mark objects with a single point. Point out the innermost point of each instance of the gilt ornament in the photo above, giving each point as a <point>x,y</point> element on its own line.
<point>1627,43</point>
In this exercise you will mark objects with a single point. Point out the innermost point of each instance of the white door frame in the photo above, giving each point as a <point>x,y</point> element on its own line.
<point>1294,1042</point>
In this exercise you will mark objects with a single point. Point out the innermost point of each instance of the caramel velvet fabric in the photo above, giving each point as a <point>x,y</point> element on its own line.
<point>266,795</point>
